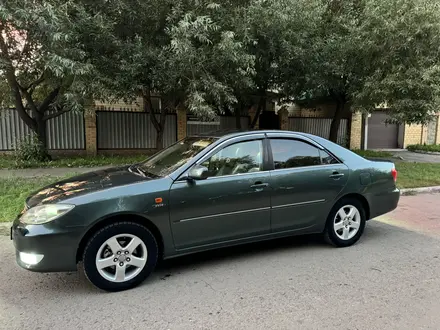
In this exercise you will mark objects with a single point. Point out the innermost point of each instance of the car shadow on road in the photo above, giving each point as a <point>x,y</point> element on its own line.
<point>250,250</point>
<point>77,283</point>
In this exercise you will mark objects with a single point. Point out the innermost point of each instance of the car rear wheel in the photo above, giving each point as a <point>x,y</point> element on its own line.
<point>120,256</point>
<point>345,223</point>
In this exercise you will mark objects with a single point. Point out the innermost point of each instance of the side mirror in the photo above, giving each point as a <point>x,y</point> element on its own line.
<point>198,172</point>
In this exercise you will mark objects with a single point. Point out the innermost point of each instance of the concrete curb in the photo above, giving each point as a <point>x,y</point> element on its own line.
<point>426,152</point>
<point>5,227</point>
<point>416,191</point>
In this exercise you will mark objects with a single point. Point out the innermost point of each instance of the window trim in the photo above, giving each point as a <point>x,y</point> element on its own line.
<point>272,163</point>
<point>182,176</point>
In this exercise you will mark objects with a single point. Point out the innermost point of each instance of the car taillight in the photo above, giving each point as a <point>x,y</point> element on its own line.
<point>394,174</point>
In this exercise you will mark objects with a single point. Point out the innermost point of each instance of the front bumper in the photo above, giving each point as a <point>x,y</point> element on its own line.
<point>45,248</point>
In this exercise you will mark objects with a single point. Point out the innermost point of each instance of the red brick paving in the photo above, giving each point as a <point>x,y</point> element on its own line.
<point>419,213</point>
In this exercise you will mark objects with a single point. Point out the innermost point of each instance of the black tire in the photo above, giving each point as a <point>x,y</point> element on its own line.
<point>100,237</point>
<point>330,233</point>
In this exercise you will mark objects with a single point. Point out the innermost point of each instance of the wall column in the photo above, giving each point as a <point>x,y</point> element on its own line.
<point>356,131</point>
<point>437,136</point>
<point>90,130</point>
<point>181,123</point>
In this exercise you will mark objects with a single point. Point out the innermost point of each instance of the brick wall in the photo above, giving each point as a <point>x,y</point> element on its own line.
<point>356,131</point>
<point>413,134</point>
<point>90,131</point>
<point>181,124</point>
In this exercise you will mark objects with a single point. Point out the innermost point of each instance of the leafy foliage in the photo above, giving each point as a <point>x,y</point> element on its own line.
<point>366,53</point>
<point>44,57</point>
<point>29,150</point>
<point>424,147</point>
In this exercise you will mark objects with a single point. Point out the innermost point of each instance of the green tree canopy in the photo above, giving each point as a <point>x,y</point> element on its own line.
<point>44,58</point>
<point>364,53</point>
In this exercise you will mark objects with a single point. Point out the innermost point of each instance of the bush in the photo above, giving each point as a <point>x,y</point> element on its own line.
<point>424,147</point>
<point>30,150</point>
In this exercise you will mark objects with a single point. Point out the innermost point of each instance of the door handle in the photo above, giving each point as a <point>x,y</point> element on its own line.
<point>336,175</point>
<point>258,185</point>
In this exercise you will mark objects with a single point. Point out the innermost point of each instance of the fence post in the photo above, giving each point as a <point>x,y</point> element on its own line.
<point>356,131</point>
<point>90,129</point>
<point>181,123</point>
<point>283,116</point>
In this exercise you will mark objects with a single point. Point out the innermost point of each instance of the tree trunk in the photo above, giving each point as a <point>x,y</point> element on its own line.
<point>159,125</point>
<point>238,116</point>
<point>334,127</point>
<point>159,139</point>
<point>41,132</point>
<point>261,107</point>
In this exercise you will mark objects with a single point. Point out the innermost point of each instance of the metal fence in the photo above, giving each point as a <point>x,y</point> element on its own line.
<point>319,127</point>
<point>131,130</point>
<point>220,123</point>
<point>65,132</point>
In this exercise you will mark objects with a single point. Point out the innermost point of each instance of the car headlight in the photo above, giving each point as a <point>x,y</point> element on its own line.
<point>44,213</point>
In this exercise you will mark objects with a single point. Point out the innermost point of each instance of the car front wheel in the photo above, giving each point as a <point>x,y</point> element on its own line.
<point>120,256</point>
<point>345,223</point>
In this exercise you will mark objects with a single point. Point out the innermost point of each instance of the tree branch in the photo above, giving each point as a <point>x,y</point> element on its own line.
<point>55,114</point>
<point>34,84</point>
<point>49,99</point>
<point>29,99</point>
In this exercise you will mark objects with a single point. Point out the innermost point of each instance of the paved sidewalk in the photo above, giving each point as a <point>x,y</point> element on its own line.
<point>39,172</point>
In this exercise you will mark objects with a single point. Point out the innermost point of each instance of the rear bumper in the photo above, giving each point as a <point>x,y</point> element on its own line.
<point>44,248</point>
<point>383,203</point>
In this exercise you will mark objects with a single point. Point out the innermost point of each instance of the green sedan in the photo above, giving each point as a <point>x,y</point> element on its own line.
<point>203,192</point>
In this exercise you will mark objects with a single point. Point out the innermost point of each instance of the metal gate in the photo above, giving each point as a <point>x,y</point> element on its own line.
<point>380,134</point>
<point>132,130</point>
<point>319,127</point>
<point>195,126</point>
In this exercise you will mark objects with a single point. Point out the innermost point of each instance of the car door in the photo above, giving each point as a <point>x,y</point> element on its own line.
<point>305,180</point>
<point>232,203</point>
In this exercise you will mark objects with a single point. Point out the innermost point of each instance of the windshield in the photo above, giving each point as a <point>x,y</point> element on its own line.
<point>170,159</point>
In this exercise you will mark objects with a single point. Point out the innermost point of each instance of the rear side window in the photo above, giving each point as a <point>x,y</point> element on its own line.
<point>327,159</point>
<point>293,153</point>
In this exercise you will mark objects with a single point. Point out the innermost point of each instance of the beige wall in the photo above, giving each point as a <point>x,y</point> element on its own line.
<point>413,135</point>
<point>356,131</point>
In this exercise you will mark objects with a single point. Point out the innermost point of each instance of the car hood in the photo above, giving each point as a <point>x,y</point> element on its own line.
<point>84,184</point>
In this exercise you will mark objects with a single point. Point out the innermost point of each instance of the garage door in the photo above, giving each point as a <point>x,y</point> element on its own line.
<point>381,135</point>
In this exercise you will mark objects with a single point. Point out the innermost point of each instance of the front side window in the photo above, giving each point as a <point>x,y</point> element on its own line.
<point>238,158</point>
<point>170,159</point>
<point>293,153</point>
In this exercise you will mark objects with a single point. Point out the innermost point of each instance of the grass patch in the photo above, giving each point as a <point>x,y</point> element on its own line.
<point>423,147</point>
<point>373,153</point>
<point>100,160</point>
<point>415,175</point>
<point>13,192</point>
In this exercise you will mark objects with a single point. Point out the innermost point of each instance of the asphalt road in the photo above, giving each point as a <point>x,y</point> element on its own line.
<point>389,280</point>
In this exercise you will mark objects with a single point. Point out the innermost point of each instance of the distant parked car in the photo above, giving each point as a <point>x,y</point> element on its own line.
<point>201,193</point>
